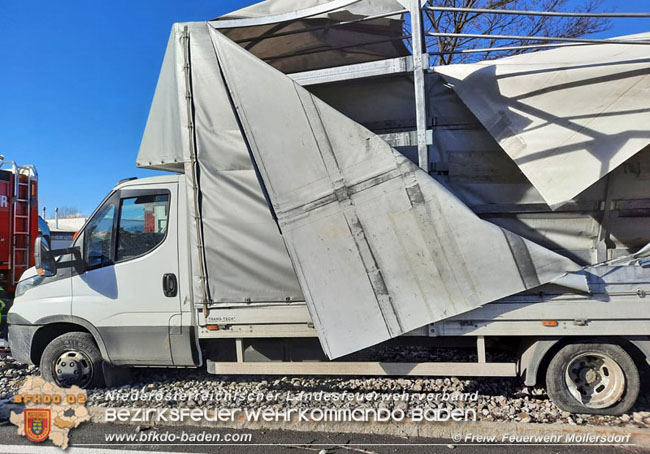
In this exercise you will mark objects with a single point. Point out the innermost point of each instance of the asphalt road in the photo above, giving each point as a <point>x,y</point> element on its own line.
<point>89,438</point>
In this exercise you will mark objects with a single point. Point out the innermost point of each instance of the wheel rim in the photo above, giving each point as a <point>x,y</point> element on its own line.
<point>595,380</point>
<point>73,368</point>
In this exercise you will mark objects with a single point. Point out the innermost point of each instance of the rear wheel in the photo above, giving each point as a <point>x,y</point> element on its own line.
<point>593,378</point>
<point>73,359</point>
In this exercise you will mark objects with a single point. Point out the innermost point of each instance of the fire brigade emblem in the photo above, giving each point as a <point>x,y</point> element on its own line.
<point>37,424</point>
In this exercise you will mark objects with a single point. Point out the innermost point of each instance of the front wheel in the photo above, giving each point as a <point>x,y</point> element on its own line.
<point>593,378</point>
<point>73,359</point>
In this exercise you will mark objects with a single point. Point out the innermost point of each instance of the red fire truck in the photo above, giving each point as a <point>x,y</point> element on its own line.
<point>18,221</point>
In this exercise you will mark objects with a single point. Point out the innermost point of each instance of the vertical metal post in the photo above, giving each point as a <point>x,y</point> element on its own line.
<point>417,40</point>
<point>480,349</point>
<point>239,349</point>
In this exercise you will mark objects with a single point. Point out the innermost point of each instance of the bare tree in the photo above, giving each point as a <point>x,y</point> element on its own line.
<point>499,24</point>
<point>66,212</point>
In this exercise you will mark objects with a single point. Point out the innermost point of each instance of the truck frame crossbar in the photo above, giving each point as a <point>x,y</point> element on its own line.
<point>438,369</point>
<point>478,368</point>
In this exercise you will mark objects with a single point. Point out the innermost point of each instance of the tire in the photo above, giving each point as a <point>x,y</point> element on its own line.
<point>73,359</point>
<point>593,378</point>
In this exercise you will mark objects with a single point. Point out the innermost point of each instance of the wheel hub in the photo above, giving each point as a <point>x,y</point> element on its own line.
<point>589,376</point>
<point>72,368</point>
<point>595,380</point>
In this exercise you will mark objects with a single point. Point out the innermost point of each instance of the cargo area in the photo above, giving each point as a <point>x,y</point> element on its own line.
<point>389,195</point>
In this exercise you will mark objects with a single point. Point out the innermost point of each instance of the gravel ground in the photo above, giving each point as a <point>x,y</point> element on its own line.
<point>495,399</point>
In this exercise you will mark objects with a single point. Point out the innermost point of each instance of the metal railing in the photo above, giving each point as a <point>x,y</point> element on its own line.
<point>536,13</point>
<point>414,38</point>
<point>538,38</point>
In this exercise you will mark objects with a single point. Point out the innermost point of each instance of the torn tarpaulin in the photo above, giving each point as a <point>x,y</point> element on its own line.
<point>380,247</point>
<point>566,116</point>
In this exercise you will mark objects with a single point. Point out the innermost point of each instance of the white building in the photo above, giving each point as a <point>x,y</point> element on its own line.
<point>63,230</point>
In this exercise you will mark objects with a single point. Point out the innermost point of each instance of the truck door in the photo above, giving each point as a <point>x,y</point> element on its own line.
<point>128,287</point>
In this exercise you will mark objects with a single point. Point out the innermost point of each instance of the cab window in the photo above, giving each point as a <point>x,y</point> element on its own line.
<point>142,225</point>
<point>98,239</point>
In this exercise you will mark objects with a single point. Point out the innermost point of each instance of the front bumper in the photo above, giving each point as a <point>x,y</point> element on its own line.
<point>20,342</point>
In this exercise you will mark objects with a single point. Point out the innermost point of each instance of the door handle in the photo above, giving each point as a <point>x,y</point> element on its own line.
<point>170,285</point>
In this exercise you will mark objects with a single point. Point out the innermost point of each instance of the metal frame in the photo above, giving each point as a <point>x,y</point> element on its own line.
<point>535,13</point>
<point>541,38</point>
<point>459,369</point>
<point>615,289</point>
<point>418,63</point>
<point>513,316</point>
<point>392,66</point>
<point>478,368</point>
<point>419,59</point>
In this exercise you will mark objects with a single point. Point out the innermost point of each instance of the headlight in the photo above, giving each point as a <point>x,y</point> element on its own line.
<point>25,285</point>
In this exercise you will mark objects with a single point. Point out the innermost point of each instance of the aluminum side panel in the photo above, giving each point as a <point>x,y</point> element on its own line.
<point>379,246</point>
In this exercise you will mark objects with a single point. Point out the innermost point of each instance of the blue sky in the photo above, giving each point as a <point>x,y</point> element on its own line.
<point>78,77</point>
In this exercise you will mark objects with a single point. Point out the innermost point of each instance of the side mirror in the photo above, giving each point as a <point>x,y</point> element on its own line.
<point>43,259</point>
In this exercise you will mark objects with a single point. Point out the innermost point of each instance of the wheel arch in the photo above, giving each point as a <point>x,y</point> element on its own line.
<point>54,327</point>
<point>537,353</point>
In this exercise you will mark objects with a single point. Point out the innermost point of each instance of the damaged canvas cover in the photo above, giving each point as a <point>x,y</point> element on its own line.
<point>301,35</point>
<point>380,247</point>
<point>568,116</point>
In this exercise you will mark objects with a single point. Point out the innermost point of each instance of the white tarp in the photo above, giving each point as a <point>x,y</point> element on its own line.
<point>163,146</point>
<point>567,116</point>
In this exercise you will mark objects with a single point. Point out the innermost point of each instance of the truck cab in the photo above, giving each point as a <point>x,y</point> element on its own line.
<point>132,242</point>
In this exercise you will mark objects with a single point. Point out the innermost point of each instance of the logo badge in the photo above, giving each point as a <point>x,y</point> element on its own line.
<point>37,424</point>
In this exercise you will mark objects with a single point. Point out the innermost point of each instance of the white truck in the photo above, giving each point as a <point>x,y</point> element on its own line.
<point>297,229</point>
